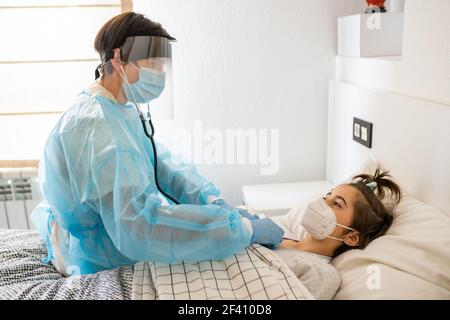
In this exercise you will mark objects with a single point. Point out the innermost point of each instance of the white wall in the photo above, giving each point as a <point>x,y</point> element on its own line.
<point>258,64</point>
<point>411,138</point>
<point>407,99</point>
<point>423,71</point>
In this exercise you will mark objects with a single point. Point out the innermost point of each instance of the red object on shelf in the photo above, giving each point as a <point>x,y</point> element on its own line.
<point>378,3</point>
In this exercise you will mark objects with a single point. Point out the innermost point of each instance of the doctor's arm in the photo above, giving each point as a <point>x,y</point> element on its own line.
<point>144,230</point>
<point>182,181</point>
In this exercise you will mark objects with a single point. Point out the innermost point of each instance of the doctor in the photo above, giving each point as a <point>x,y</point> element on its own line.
<point>112,195</point>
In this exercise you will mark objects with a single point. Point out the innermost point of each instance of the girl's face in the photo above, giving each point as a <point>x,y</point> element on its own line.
<point>342,200</point>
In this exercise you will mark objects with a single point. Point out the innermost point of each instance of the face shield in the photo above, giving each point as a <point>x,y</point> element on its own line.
<point>146,72</point>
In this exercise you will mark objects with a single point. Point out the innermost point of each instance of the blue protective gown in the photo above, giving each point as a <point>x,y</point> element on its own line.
<point>97,177</point>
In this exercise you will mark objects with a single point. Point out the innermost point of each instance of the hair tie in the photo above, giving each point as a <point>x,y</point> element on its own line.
<point>97,72</point>
<point>372,185</point>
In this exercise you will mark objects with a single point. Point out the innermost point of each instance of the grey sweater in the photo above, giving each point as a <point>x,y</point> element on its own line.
<point>315,272</point>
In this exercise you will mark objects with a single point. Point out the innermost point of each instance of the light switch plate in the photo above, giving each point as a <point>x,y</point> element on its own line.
<point>362,132</point>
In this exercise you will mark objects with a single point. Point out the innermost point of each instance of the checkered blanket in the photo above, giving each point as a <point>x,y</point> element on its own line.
<point>24,276</point>
<point>256,274</point>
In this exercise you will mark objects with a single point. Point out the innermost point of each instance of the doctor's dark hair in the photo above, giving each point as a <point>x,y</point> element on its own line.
<point>372,218</point>
<point>115,31</point>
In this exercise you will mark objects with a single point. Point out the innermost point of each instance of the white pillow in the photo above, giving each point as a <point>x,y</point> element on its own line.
<point>412,261</point>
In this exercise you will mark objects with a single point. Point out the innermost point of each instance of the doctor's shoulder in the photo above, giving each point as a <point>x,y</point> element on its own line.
<point>83,114</point>
<point>82,124</point>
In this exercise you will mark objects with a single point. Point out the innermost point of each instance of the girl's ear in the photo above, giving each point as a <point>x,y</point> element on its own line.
<point>351,239</point>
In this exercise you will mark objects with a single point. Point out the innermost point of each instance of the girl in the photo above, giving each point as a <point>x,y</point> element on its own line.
<point>350,216</point>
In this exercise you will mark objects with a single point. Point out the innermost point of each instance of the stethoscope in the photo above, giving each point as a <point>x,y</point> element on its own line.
<point>155,156</point>
<point>144,121</point>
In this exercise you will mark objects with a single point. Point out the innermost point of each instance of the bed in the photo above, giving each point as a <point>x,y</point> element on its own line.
<point>255,273</point>
<point>412,261</point>
<point>24,275</point>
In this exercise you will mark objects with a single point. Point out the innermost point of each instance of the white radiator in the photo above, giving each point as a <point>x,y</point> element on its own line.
<point>19,195</point>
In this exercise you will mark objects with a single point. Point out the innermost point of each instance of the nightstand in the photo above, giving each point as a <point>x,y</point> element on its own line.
<point>278,199</point>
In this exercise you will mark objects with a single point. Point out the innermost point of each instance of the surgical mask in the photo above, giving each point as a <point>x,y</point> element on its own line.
<point>319,220</point>
<point>150,85</point>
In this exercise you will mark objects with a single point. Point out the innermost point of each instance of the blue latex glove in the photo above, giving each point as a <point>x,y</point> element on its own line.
<point>267,233</point>
<point>244,213</point>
